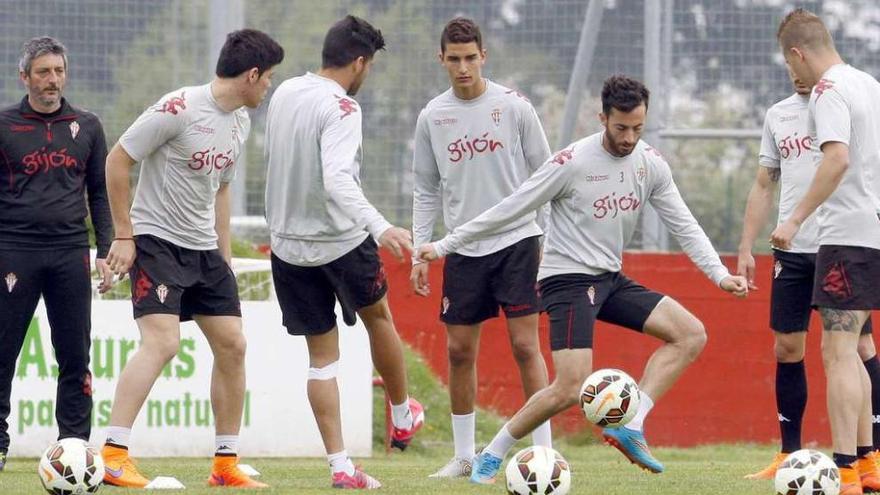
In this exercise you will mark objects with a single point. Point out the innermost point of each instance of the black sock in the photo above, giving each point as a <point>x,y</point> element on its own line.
<point>841,460</point>
<point>873,367</point>
<point>791,400</point>
<point>861,452</point>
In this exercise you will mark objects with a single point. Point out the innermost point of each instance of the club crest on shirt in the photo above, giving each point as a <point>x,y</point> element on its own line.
<point>11,279</point>
<point>445,305</point>
<point>777,269</point>
<point>496,116</point>
<point>346,106</point>
<point>162,293</point>
<point>74,129</point>
<point>641,173</point>
<point>591,293</point>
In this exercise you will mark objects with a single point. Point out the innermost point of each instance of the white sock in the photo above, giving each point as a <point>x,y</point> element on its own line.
<point>226,445</point>
<point>401,416</point>
<point>339,462</point>
<point>463,430</point>
<point>502,442</point>
<point>118,435</point>
<point>542,436</point>
<point>645,407</point>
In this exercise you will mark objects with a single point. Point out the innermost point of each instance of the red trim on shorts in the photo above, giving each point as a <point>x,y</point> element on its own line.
<point>570,321</point>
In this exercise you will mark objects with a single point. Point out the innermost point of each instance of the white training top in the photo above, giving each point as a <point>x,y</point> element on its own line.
<point>471,154</point>
<point>187,146</point>
<point>786,145</point>
<point>315,207</point>
<point>845,108</point>
<point>596,199</point>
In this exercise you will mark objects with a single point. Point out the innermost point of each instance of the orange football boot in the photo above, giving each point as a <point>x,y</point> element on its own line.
<point>120,470</point>
<point>769,472</point>
<point>226,473</point>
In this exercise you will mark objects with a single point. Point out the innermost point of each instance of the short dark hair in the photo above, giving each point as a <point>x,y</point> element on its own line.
<point>246,49</point>
<point>36,48</point>
<point>461,30</point>
<point>623,93</point>
<point>349,39</point>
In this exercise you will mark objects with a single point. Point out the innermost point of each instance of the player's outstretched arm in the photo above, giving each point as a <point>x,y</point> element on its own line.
<point>122,251</point>
<point>758,207</point>
<point>549,182</point>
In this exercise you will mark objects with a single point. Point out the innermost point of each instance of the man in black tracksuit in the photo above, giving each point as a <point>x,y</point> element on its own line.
<point>51,155</point>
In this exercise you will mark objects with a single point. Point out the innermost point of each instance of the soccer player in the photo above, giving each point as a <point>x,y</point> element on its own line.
<point>843,111</point>
<point>176,243</point>
<point>787,157</point>
<point>597,187</point>
<point>55,152</point>
<point>324,234</point>
<point>476,143</point>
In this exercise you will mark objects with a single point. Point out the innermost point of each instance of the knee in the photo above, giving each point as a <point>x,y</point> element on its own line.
<point>567,390</point>
<point>693,338</point>
<point>164,350</point>
<point>233,348</point>
<point>461,354</point>
<point>833,354</point>
<point>866,348</point>
<point>525,350</point>
<point>788,351</point>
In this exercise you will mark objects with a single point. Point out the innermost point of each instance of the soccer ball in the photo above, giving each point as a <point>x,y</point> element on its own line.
<point>71,467</point>
<point>538,469</point>
<point>806,472</point>
<point>610,398</point>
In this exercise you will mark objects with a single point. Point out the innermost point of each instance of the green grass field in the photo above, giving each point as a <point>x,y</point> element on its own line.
<point>596,469</point>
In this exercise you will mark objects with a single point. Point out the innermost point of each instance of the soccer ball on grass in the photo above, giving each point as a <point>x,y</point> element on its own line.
<point>538,469</point>
<point>71,467</point>
<point>807,472</point>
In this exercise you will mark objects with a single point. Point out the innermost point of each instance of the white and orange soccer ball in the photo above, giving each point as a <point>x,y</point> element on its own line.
<point>807,472</point>
<point>71,467</point>
<point>610,398</point>
<point>538,469</point>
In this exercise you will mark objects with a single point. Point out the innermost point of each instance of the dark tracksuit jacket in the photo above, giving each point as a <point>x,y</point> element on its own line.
<point>51,166</point>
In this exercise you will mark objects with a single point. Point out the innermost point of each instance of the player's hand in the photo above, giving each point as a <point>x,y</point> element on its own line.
<point>783,234</point>
<point>745,266</point>
<point>121,257</point>
<point>736,285</point>
<point>427,253</point>
<point>419,279</point>
<point>106,275</point>
<point>398,240</point>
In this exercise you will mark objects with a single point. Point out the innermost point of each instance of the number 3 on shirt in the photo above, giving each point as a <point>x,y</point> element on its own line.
<point>621,177</point>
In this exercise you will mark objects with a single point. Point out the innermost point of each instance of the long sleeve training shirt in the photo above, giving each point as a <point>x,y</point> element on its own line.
<point>595,203</point>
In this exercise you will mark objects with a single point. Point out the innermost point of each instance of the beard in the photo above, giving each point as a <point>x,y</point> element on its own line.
<point>616,148</point>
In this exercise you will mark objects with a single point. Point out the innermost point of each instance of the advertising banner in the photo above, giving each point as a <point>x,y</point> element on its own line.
<point>177,418</point>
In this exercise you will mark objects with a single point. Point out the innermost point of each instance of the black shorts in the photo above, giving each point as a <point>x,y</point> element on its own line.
<point>792,290</point>
<point>474,287</point>
<point>575,301</point>
<point>169,279</point>
<point>847,277</point>
<point>307,294</point>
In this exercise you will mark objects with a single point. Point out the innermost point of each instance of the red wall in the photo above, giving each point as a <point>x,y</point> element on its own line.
<point>725,396</point>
